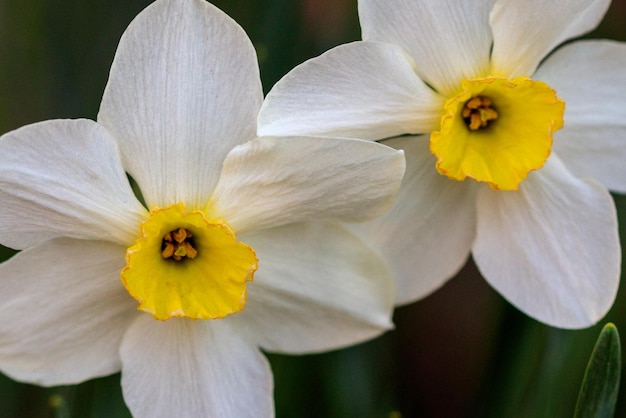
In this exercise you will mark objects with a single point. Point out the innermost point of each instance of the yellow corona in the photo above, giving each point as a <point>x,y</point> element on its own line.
<point>186,265</point>
<point>497,130</point>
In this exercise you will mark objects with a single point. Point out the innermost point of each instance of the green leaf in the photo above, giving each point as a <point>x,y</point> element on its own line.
<point>598,393</point>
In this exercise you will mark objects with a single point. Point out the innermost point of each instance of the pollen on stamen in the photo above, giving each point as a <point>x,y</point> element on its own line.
<point>178,245</point>
<point>478,113</point>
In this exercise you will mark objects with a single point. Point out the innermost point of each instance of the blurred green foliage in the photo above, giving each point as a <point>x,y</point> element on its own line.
<point>600,387</point>
<point>462,352</point>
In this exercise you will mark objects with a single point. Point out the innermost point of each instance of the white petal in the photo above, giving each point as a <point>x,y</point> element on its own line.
<point>64,178</point>
<point>275,181</point>
<point>525,31</point>
<point>318,287</point>
<point>185,368</point>
<point>427,235</point>
<point>449,39</point>
<point>551,248</point>
<point>64,312</point>
<point>184,89</point>
<point>590,77</point>
<point>596,152</point>
<point>362,90</point>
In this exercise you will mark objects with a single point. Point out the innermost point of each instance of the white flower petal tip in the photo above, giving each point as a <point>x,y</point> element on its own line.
<point>271,181</point>
<point>342,293</point>
<point>63,322</point>
<point>372,88</point>
<point>184,89</point>
<point>525,31</point>
<point>552,248</point>
<point>183,368</point>
<point>64,178</point>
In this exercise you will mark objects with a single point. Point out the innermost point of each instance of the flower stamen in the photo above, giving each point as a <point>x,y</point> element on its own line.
<point>478,113</point>
<point>177,245</point>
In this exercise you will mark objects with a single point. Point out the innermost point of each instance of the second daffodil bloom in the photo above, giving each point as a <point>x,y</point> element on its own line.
<point>219,265</point>
<point>510,148</point>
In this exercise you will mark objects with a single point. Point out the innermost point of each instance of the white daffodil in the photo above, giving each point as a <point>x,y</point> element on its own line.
<point>186,323</point>
<point>487,179</point>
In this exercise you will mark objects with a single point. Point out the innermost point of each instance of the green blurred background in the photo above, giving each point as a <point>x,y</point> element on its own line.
<point>462,352</point>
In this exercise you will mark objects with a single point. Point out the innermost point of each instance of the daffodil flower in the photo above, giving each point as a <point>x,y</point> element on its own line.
<point>502,143</point>
<point>222,261</point>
